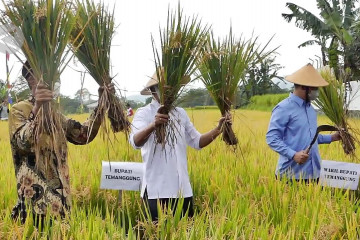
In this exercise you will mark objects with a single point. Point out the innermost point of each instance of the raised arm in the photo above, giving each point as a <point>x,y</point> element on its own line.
<point>210,136</point>
<point>84,133</point>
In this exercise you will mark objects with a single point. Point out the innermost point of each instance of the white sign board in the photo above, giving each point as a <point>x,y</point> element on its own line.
<point>122,175</point>
<point>340,174</point>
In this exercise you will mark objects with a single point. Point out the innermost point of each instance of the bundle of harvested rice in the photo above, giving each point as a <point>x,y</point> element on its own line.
<point>332,103</point>
<point>222,65</point>
<point>44,29</point>
<point>91,43</point>
<point>180,43</point>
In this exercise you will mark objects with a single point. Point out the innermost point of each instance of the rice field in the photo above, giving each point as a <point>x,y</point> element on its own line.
<point>236,194</point>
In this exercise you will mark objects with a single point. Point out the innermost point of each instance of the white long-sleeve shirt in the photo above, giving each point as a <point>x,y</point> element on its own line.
<point>166,174</point>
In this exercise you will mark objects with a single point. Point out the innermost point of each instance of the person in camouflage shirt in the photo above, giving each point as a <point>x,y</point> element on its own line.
<point>43,182</point>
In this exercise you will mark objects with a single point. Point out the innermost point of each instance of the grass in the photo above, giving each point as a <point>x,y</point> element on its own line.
<point>236,195</point>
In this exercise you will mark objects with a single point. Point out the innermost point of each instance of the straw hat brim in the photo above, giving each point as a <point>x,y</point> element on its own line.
<point>307,76</point>
<point>154,81</point>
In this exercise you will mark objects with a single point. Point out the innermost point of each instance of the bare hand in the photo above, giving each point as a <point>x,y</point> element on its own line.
<point>225,119</point>
<point>110,87</point>
<point>301,157</point>
<point>42,95</point>
<point>160,119</point>
<point>335,137</point>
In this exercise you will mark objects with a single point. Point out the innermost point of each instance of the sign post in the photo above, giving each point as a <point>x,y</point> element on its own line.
<point>122,175</point>
<point>340,174</point>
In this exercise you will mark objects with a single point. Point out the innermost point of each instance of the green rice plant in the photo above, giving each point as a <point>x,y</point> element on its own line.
<point>44,29</point>
<point>222,65</point>
<point>234,197</point>
<point>180,43</point>
<point>265,102</point>
<point>91,43</point>
<point>331,102</point>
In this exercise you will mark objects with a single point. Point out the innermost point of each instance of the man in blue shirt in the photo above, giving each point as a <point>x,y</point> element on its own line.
<point>293,125</point>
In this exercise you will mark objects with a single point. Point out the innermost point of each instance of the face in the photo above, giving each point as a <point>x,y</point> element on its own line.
<point>155,93</point>
<point>31,82</point>
<point>313,93</point>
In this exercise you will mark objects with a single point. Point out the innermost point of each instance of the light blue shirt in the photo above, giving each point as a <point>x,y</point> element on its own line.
<point>292,126</point>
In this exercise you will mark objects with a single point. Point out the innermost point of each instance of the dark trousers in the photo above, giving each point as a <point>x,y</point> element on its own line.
<point>165,203</point>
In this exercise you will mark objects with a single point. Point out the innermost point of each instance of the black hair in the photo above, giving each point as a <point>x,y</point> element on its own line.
<point>26,70</point>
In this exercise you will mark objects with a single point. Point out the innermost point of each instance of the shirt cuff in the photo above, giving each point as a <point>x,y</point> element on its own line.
<point>290,153</point>
<point>325,139</point>
<point>131,140</point>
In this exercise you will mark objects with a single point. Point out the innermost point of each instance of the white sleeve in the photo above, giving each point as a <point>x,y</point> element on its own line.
<point>192,136</point>
<point>139,122</point>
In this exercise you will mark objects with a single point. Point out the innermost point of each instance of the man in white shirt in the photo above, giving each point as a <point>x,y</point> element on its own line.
<point>166,177</point>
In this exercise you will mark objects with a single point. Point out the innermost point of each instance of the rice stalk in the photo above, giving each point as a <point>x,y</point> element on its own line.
<point>222,65</point>
<point>91,43</point>
<point>180,44</point>
<point>331,102</point>
<point>43,31</point>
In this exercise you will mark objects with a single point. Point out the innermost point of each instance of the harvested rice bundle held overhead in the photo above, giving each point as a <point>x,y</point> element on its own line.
<point>42,29</point>
<point>180,44</point>
<point>91,43</point>
<point>222,65</point>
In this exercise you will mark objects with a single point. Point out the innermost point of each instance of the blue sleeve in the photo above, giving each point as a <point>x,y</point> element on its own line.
<point>324,139</point>
<point>275,134</point>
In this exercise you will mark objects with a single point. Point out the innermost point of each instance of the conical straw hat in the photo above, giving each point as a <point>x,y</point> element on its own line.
<point>154,81</point>
<point>307,76</point>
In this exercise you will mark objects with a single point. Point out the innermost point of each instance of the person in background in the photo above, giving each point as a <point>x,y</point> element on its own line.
<point>4,110</point>
<point>130,112</point>
<point>293,125</point>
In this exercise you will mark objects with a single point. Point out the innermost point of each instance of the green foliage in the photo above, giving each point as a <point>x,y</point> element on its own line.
<point>223,64</point>
<point>266,102</point>
<point>195,97</point>
<point>134,104</point>
<point>91,39</point>
<point>91,42</point>
<point>148,100</point>
<point>259,80</point>
<point>71,106</point>
<point>331,102</point>
<point>204,107</point>
<point>236,195</point>
<point>335,31</point>
<point>331,99</point>
<point>180,43</point>
<point>3,90</point>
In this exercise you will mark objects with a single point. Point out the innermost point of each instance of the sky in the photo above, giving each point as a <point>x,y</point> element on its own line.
<point>132,54</point>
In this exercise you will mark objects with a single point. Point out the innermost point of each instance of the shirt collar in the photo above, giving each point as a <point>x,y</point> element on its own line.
<point>155,103</point>
<point>297,99</point>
